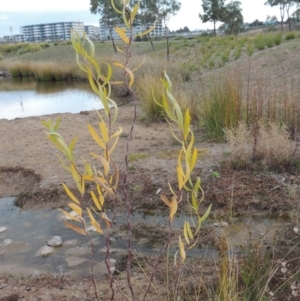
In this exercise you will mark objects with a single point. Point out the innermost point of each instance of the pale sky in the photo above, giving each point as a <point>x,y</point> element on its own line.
<point>18,13</point>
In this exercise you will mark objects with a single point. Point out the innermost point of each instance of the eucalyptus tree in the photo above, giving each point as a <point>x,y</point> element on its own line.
<point>284,7</point>
<point>213,11</point>
<point>233,18</point>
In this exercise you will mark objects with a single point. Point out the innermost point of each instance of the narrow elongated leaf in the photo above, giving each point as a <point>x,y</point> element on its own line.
<point>134,11</point>
<point>104,131</point>
<point>115,8</point>
<point>194,159</point>
<point>182,250</point>
<point>131,76</point>
<point>141,64</point>
<point>173,207</point>
<point>187,123</point>
<point>116,133</point>
<point>103,184</point>
<point>69,216</point>
<point>147,31</point>
<point>75,228</point>
<point>72,144</point>
<point>185,233</point>
<point>75,208</point>
<point>70,194</point>
<point>120,50</point>
<point>93,221</point>
<point>165,200</point>
<point>96,201</point>
<point>122,34</point>
<point>98,140</point>
<point>206,214</point>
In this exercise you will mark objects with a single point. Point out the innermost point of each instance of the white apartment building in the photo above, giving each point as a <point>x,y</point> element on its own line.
<point>107,31</point>
<point>92,31</point>
<point>50,31</point>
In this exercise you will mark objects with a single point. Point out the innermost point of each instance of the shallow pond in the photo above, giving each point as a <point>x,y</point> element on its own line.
<point>25,97</point>
<point>27,231</point>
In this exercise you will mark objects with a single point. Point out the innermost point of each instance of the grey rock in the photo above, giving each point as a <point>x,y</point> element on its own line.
<point>2,229</point>
<point>44,251</point>
<point>56,241</point>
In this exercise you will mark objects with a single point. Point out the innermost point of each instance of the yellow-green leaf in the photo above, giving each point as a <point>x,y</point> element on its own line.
<point>104,131</point>
<point>69,216</point>
<point>75,208</point>
<point>70,194</point>
<point>173,207</point>
<point>185,233</point>
<point>94,222</point>
<point>121,32</point>
<point>182,250</point>
<point>96,201</point>
<point>165,200</point>
<point>75,228</point>
<point>98,140</point>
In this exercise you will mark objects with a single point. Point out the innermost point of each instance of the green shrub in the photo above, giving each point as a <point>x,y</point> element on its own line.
<point>250,49</point>
<point>290,36</point>
<point>260,42</point>
<point>278,38</point>
<point>270,40</point>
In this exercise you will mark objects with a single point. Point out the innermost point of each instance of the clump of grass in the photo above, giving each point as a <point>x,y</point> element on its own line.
<point>270,144</point>
<point>49,72</point>
<point>137,156</point>
<point>259,42</point>
<point>278,38</point>
<point>221,105</point>
<point>250,49</point>
<point>290,36</point>
<point>225,56</point>
<point>270,40</point>
<point>237,53</point>
<point>148,87</point>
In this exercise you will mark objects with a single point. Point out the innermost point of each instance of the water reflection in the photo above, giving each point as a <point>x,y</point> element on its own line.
<point>25,97</point>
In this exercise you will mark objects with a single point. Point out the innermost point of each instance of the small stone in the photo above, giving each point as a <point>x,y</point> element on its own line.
<point>111,240</point>
<point>221,224</point>
<point>56,241</point>
<point>90,228</point>
<point>7,242</point>
<point>2,229</point>
<point>296,230</point>
<point>44,251</point>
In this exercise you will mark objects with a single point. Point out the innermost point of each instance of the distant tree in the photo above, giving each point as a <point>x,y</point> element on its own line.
<point>149,11</point>
<point>107,15</point>
<point>284,7</point>
<point>213,11</point>
<point>296,15</point>
<point>233,18</point>
<point>256,23</point>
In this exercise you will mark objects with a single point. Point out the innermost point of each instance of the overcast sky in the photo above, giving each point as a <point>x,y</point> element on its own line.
<point>18,13</point>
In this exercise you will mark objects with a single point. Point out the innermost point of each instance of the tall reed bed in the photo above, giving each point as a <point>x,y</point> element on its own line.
<point>47,71</point>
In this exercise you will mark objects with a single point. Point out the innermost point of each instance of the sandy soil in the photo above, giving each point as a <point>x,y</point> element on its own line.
<point>29,165</point>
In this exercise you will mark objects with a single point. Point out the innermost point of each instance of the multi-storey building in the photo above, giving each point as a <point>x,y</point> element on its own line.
<point>50,31</point>
<point>107,31</point>
<point>92,31</point>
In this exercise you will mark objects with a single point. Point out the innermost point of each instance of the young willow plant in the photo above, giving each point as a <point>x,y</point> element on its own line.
<point>106,176</point>
<point>186,163</point>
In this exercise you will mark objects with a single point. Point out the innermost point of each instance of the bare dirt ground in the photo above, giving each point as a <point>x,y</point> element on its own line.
<point>29,166</point>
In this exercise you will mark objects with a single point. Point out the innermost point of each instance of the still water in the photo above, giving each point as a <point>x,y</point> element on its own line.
<point>24,97</point>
